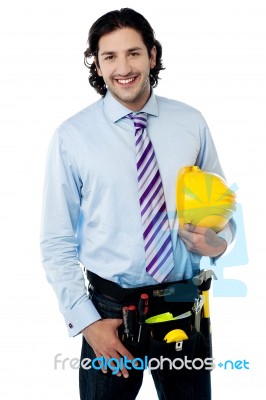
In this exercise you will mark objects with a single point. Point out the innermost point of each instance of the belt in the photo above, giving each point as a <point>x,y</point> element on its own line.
<point>178,291</point>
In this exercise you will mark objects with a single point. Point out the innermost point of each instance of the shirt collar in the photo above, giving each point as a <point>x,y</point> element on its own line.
<point>115,110</point>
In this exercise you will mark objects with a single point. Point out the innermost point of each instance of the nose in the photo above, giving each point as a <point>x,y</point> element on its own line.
<point>123,66</point>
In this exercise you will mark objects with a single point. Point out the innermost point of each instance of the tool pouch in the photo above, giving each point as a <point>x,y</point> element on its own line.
<point>205,330</point>
<point>196,346</point>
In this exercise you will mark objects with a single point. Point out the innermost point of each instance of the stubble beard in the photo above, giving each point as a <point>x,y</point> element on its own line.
<point>129,98</point>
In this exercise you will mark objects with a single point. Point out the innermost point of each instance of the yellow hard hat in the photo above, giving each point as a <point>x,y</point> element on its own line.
<point>203,199</point>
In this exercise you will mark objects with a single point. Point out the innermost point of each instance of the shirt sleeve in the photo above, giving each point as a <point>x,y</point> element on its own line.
<point>228,233</point>
<point>59,246</point>
<point>208,160</point>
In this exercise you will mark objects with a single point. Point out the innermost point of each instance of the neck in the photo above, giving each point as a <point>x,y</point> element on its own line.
<point>138,103</point>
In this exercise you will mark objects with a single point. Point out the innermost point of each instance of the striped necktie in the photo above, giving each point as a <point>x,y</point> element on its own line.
<point>156,231</point>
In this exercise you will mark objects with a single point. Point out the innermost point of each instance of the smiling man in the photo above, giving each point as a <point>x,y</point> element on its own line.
<point>109,205</point>
<point>124,64</point>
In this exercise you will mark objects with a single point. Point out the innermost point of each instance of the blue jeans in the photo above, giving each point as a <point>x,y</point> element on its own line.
<point>170,384</point>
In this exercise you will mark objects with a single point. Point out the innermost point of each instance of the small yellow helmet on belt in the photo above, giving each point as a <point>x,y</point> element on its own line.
<point>203,199</point>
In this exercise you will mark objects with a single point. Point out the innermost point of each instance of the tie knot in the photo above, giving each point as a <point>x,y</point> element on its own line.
<point>139,119</point>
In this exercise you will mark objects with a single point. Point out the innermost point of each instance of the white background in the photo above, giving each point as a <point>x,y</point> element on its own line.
<point>214,51</point>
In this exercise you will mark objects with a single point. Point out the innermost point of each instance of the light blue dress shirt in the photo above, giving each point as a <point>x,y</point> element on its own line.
<point>91,212</point>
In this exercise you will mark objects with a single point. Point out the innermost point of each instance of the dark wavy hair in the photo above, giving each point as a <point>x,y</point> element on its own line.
<point>126,17</point>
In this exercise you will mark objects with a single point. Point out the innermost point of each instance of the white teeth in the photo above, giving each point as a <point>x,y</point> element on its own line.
<point>124,81</point>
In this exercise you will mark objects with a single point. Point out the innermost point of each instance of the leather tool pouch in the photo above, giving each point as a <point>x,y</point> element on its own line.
<point>196,346</point>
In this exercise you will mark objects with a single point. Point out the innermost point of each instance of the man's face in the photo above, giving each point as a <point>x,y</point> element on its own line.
<point>125,66</point>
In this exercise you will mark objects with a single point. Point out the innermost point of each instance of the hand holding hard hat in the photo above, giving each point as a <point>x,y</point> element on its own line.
<point>203,199</point>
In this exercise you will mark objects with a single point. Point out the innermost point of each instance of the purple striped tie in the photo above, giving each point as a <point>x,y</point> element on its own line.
<point>156,231</point>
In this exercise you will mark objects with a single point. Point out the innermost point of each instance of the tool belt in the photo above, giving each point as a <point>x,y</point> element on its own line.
<point>181,299</point>
<point>178,291</point>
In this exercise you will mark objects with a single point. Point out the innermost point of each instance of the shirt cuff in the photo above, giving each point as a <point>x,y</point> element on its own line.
<point>228,235</point>
<point>80,316</point>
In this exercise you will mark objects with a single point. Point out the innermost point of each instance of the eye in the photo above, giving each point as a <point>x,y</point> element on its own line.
<point>109,58</point>
<point>134,54</point>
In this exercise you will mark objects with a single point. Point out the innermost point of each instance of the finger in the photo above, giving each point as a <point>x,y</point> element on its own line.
<point>186,235</point>
<point>189,227</point>
<point>114,365</point>
<point>196,229</point>
<point>100,356</point>
<point>123,351</point>
<point>124,372</point>
<point>191,246</point>
<point>118,362</point>
<point>107,362</point>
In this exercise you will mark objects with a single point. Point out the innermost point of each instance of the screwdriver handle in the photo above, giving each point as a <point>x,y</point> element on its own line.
<point>131,315</point>
<point>143,307</point>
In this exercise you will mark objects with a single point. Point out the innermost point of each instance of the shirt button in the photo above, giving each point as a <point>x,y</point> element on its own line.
<point>70,326</point>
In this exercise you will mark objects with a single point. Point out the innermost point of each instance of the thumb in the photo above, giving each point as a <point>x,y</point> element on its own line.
<point>116,322</point>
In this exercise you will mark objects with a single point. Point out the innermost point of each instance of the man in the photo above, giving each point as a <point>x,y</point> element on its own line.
<point>99,208</point>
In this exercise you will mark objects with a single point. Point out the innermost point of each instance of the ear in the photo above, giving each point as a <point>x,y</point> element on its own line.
<point>153,57</point>
<point>98,69</point>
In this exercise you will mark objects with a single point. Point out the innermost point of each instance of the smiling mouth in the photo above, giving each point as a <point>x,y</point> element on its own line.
<point>126,81</point>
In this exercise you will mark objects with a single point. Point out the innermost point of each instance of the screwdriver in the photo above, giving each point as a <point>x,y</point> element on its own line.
<point>142,309</point>
<point>131,318</point>
<point>125,320</point>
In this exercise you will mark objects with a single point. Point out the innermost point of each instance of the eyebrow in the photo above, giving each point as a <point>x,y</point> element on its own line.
<point>108,53</point>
